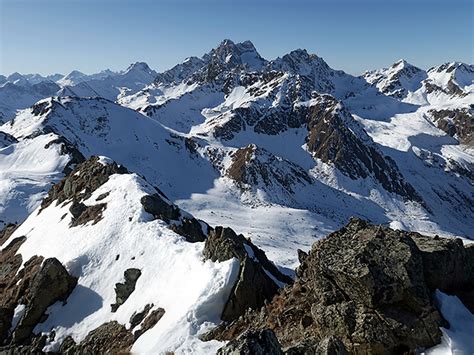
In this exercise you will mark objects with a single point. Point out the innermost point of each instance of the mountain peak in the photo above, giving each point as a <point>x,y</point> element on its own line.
<point>299,61</point>
<point>139,66</point>
<point>236,54</point>
<point>403,64</point>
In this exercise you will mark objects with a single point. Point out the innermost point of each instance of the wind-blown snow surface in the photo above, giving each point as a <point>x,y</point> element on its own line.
<point>457,340</point>
<point>174,276</point>
<point>27,170</point>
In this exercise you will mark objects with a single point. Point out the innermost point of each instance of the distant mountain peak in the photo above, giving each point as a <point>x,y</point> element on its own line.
<point>139,66</point>
<point>236,54</point>
<point>75,74</point>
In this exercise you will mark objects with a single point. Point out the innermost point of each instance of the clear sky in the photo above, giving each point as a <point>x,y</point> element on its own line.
<point>49,36</point>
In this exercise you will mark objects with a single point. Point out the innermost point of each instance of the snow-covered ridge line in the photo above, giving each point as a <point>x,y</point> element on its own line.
<point>102,221</point>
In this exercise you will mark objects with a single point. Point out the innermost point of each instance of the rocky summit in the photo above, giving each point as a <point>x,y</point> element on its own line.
<point>236,204</point>
<point>367,288</point>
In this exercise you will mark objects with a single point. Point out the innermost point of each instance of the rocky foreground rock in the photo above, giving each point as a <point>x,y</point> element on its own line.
<point>258,278</point>
<point>364,289</point>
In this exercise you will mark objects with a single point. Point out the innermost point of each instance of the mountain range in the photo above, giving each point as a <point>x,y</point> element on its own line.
<point>116,172</point>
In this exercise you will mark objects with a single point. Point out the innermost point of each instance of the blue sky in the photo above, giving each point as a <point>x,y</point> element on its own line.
<point>48,36</point>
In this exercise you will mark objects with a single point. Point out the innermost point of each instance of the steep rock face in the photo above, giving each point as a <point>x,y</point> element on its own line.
<point>256,167</point>
<point>334,137</point>
<point>258,277</point>
<point>369,286</point>
<point>397,80</point>
<point>448,265</point>
<point>52,283</point>
<point>458,123</point>
<point>33,288</point>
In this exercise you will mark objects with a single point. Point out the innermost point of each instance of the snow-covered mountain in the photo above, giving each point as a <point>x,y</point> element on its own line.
<point>398,80</point>
<point>284,151</point>
<point>19,91</point>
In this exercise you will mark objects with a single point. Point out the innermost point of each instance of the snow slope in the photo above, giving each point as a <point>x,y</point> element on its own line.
<point>27,170</point>
<point>173,273</point>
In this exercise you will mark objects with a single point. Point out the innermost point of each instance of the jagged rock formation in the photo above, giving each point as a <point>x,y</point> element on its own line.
<point>368,286</point>
<point>258,278</point>
<point>81,182</point>
<point>35,287</point>
<point>52,283</point>
<point>397,80</point>
<point>252,167</point>
<point>458,123</point>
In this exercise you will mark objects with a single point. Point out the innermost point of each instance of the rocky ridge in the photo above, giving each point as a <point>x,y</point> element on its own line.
<point>369,287</point>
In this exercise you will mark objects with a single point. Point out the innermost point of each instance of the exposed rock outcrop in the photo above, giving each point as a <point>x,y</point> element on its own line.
<point>34,287</point>
<point>123,290</point>
<point>335,137</point>
<point>149,322</point>
<point>6,232</point>
<point>52,283</point>
<point>109,338</point>
<point>6,139</point>
<point>458,123</point>
<point>255,167</point>
<point>179,222</point>
<point>369,287</point>
<point>82,181</point>
<point>253,343</point>
<point>258,277</point>
<point>67,148</point>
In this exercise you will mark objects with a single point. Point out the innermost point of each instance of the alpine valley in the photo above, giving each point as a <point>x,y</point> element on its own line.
<point>238,205</point>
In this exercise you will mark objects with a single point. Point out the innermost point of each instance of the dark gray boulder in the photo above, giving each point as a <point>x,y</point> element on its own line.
<point>149,322</point>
